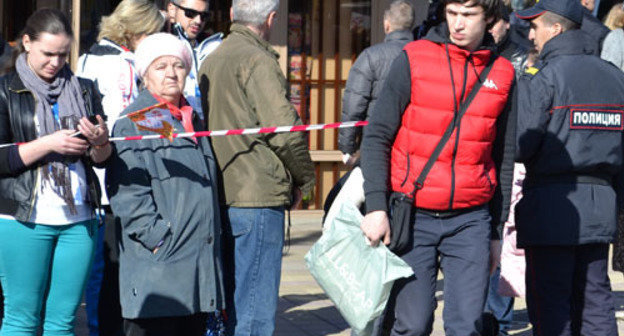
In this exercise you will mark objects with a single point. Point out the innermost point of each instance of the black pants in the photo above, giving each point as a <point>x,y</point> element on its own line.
<point>109,308</point>
<point>568,291</point>
<point>191,325</point>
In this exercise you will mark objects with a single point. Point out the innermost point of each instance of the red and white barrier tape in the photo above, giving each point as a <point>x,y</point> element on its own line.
<point>245,131</point>
<point>248,131</point>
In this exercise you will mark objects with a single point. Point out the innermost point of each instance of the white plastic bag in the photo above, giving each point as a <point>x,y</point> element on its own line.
<point>356,277</point>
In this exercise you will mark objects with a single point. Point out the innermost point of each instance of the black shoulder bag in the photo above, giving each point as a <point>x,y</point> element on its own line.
<point>401,206</point>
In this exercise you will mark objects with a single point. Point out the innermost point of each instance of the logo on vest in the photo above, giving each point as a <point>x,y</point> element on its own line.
<point>490,84</point>
<point>596,119</point>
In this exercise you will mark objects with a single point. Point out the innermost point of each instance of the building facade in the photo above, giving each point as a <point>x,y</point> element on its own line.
<point>318,41</point>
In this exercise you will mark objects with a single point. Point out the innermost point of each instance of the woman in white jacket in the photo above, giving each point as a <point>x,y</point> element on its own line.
<point>110,64</point>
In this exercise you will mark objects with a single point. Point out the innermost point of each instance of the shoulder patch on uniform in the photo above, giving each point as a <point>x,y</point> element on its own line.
<point>596,119</point>
<point>532,70</point>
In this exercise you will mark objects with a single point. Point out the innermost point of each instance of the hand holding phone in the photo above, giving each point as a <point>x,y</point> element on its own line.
<point>94,130</point>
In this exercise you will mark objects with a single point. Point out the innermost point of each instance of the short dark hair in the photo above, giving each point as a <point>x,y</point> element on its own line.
<point>491,8</point>
<point>550,18</point>
<point>504,12</point>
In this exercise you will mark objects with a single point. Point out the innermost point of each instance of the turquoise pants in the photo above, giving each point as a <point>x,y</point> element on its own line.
<point>43,266</point>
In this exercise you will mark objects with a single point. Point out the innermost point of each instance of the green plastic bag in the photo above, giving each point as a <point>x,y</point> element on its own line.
<point>356,277</point>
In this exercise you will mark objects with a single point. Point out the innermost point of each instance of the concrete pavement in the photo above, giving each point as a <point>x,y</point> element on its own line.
<point>304,310</point>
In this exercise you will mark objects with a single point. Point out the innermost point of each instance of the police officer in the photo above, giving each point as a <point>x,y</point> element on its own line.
<point>569,136</point>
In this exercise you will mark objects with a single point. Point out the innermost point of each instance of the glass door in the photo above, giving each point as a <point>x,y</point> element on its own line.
<point>324,38</point>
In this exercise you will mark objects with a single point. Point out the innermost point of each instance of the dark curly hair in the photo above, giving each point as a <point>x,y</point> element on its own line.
<point>491,8</point>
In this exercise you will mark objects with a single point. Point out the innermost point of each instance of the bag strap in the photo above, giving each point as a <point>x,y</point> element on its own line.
<point>419,183</point>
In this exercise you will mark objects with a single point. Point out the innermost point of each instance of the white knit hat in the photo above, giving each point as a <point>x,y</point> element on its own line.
<point>160,44</point>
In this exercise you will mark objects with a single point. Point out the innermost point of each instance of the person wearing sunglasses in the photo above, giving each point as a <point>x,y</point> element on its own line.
<point>189,19</point>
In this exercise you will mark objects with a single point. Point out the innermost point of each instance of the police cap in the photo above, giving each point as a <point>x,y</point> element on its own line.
<point>570,9</point>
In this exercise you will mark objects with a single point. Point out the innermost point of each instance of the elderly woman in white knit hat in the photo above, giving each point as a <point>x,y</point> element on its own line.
<point>164,193</point>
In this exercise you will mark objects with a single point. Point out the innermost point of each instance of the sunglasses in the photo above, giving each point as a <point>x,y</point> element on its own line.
<point>191,13</point>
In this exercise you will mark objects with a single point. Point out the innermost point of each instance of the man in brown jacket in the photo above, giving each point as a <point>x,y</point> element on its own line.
<point>243,87</point>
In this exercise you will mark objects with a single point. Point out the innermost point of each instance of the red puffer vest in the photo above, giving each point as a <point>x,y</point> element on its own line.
<point>464,175</point>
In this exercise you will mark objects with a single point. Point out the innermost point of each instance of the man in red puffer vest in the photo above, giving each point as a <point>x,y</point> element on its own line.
<point>465,196</point>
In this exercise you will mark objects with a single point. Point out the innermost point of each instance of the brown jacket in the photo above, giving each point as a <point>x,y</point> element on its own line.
<point>244,87</point>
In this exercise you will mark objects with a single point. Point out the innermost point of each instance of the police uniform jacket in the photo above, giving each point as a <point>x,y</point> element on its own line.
<point>569,136</point>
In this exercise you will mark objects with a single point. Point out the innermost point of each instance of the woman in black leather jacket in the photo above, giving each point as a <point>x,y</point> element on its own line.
<point>47,185</point>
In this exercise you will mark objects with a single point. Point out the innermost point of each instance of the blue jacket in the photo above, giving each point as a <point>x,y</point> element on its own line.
<point>569,136</point>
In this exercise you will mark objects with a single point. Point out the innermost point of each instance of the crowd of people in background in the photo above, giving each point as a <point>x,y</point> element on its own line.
<point>146,233</point>
<point>498,118</point>
<point>561,185</point>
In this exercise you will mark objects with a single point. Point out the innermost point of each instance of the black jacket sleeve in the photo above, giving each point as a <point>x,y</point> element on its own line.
<point>16,164</point>
<point>355,102</point>
<point>10,161</point>
<point>381,131</point>
<point>503,154</point>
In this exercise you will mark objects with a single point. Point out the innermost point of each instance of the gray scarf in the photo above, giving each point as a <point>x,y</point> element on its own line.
<point>64,90</point>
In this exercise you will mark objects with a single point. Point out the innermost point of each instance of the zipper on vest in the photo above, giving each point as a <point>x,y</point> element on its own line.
<point>407,173</point>
<point>458,129</point>
<point>487,175</point>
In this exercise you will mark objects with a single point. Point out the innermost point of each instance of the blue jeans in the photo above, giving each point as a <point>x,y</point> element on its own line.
<point>43,265</point>
<point>94,284</point>
<point>500,306</point>
<point>254,238</point>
